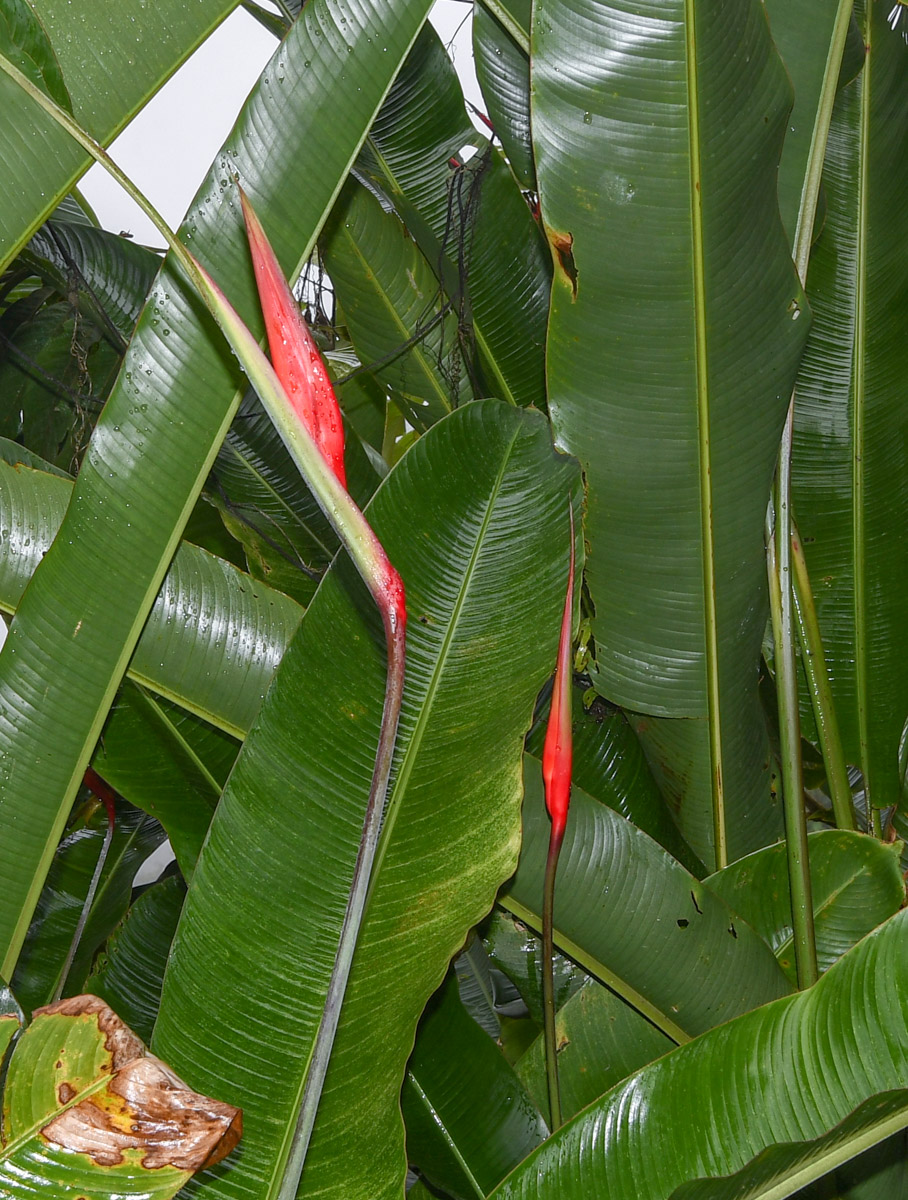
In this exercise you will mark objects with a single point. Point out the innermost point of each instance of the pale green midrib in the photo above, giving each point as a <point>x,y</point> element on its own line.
<point>827,903</point>
<point>487,355</point>
<point>399,786</point>
<point>858,400</point>
<point>442,1128</point>
<point>176,738</point>
<point>705,480</point>
<point>413,348</point>
<point>837,1156</point>
<point>593,965</point>
<point>269,487</point>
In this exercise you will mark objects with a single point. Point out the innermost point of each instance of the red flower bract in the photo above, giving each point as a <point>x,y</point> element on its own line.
<point>297,362</point>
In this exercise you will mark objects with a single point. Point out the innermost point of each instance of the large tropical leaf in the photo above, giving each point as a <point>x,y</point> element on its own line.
<point>632,916</point>
<point>856,883</point>
<point>851,435</point>
<point>474,518</point>
<point>217,666</point>
<point>156,441</point>
<point>673,404</point>
<point>116,61</point>
<point>787,1073</point>
<point>469,1120</point>
<point>503,71</point>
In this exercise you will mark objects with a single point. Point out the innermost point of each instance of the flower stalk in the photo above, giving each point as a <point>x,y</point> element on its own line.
<point>557,756</point>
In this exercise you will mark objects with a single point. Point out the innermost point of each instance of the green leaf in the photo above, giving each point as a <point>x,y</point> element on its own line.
<point>136,835</point>
<point>24,41</point>
<point>470,516</point>
<point>146,753</point>
<point>392,306</point>
<point>220,664</point>
<point>130,972</point>
<point>786,1073</point>
<point>503,72</point>
<point>695,967</point>
<point>517,953</point>
<point>86,1111</point>
<point>600,1040</point>
<point>469,1121</point>
<point>674,408</point>
<point>856,884</point>
<point>173,402</point>
<point>113,59</point>
<point>850,493</point>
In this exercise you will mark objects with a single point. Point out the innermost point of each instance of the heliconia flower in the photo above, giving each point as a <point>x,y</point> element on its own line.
<point>295,356</point>
<point>557,754</point>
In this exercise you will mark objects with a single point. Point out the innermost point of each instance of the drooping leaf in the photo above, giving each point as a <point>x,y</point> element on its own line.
<point>469,1121</point>
<point>674,409</point>
<point>454,517</point>
<point>24,41</point>
<point>786,1073</point>
<point>107,1118</point>
<point>856,884</point>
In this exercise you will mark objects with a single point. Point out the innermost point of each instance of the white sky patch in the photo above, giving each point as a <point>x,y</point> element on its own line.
<point>170,145</point>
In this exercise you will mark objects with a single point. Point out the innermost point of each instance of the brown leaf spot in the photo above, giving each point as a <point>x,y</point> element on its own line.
<point>65,1093</point>
<point>146,1107</point>
<point>563,252</point>
<point>119,1040</point>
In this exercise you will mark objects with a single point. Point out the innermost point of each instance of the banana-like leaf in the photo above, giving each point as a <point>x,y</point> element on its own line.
<point>107,1118</point>
<point>393,306</point>
<point>110,275</point>
<point>135,837</point>
<point>474,519</point>
<point>173,402</point>
<point>676,326</point>
<point>471,223</point>
<point>219,665</point>
<point>517,954</point>
<point>111,67</point>
<point>469,1121</point>
<point>632,916</point>
<point>130,972</point>
<point>856,882</point>
<point>601,1040</point>
<point>787,1073</point>
<point>503,72</point>
<point>850,491</point>
<point>24,41</point>
<point>168,763</point>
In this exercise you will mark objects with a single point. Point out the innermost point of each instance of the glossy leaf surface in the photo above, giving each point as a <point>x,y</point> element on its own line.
<point>221,666</point>
<point>503,72</point>
<point>119,59</point>
<point>469,1121</point>
<point>466,548</point>
<point>856,883</point>
<point>788,1072</point>
<point>674,408</point>
<point>695,967</point>
<point>850,489</point>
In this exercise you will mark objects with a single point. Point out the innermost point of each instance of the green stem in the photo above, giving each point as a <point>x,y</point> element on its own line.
<point>372,564</point>
<point>814,660</point>
<point>780,550</point>
<point>548,978</point>
<point>792,784</point>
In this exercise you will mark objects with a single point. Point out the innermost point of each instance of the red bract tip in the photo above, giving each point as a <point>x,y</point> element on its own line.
<point>102,789</point>
<point>557,753</point>
<point>297,362</point>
